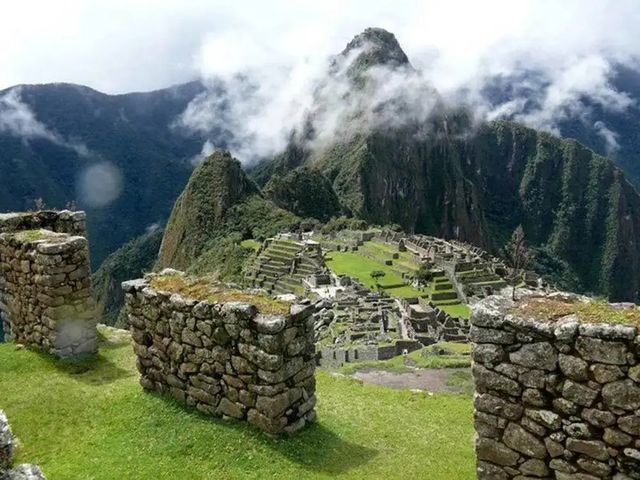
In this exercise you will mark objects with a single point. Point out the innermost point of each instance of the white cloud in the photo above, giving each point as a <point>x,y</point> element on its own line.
<point>280,48</point>
<point>17,119</point>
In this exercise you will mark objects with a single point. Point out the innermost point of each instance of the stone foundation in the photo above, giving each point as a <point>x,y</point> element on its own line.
<point>554,399</point>
<point>45,283</point>
<point>227,359</point>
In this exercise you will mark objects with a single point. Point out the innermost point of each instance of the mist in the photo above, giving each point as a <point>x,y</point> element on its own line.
<point>271,61</point>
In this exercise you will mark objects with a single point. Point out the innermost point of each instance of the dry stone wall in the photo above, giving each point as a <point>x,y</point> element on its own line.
<point>557,400</point>
<point>225,359</point>
<point>45,282</point>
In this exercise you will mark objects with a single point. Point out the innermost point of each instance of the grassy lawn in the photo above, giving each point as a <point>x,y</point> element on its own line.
<point>360,267</point>
<point>460,310</point>
<point>92,421</point>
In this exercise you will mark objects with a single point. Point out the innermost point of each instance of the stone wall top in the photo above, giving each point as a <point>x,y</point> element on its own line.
<point>496,311</point>
<point>63,221</point>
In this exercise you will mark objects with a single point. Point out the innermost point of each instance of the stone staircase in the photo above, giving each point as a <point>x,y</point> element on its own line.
<point>282,265</point>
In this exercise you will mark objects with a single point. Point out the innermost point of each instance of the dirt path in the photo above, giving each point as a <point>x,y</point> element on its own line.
<point>432,380</point>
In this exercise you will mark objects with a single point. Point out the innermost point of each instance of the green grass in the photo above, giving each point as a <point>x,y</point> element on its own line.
<point>92,421</point>
<point>457,356</point>
<point>252,244</point>
<point>360,267</point>
<point>459,311</point>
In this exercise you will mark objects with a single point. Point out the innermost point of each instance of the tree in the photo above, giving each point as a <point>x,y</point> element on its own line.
<point>424,275</point>
<point>517,257</point>
<point>377,275</point>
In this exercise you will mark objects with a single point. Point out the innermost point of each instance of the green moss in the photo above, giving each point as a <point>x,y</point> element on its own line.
<point>200,288</point>
<point>594,311</point>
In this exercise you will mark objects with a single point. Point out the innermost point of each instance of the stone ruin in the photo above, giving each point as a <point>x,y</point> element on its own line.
<point>7,446</point>
<point>225,359</point>
<point>283,262</point>
<point>45,282</point>
<point>555,399</point>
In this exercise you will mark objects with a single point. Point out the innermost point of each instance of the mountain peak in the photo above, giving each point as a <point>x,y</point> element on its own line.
<point>377,46</point>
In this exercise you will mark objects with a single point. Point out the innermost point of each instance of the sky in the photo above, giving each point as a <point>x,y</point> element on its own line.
<point>282,47</point>
<point>118,46</point>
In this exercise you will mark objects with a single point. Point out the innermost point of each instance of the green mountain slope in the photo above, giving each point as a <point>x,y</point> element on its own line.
<point>449,178</point>
<point>131,260</point>
<point>218,201</point>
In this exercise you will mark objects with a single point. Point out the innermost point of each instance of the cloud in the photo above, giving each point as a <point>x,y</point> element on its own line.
<point>99,183</point>
<point>269,56</point>
<point>17,119</point>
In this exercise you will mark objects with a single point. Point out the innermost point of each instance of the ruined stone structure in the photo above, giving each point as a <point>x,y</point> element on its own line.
<point>45,282</point>
<point>283,262</point>
<point>556,399</point>
<point>225,359</point>
<point>7,446</point>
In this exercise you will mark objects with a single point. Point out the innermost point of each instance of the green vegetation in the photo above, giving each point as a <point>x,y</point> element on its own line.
<point>306,192</point>
<point>360,267</point>
<point>219,201</point>
<point>34,235</point>
<point>130,261</point>
<point>595,311</point>
<point>440,355</point>
<point>93,420</point>
<point>211,290</point>
<point>252,244</point>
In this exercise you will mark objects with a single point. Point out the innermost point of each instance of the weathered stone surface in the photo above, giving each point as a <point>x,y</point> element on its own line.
<point>602,351</point>
<point>522,441</point>
<point>624,394</point>
<point>579,393</point>
<point>24,472</point>
<point>6,442</point>
<point>489,380</point>
<point>496,452</point>
<point>536,355</point>
<point>498,406</point>
<point>574,368</point>
<point>488,353</point>
<point>593,448</point>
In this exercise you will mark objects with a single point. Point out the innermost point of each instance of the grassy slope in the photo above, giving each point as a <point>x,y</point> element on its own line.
<point>94,422</point>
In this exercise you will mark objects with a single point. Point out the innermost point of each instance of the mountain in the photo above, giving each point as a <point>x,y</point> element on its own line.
<point>218,202</point>
<point>116,156</point>
<point>445,176</point>
<point>132,260</point>
<point>607,130</point>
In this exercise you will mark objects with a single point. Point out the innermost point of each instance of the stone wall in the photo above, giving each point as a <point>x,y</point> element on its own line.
<point>554,399</point>
<point>45,282</point>
<point>225,359</point>
<point>7,448</point>
<point>65,221</point>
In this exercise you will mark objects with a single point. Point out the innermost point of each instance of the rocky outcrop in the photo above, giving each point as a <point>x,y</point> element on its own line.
<point>45,283</point>
<point>7,447</point>
<point>554,399</point>
<point>227,359</point>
